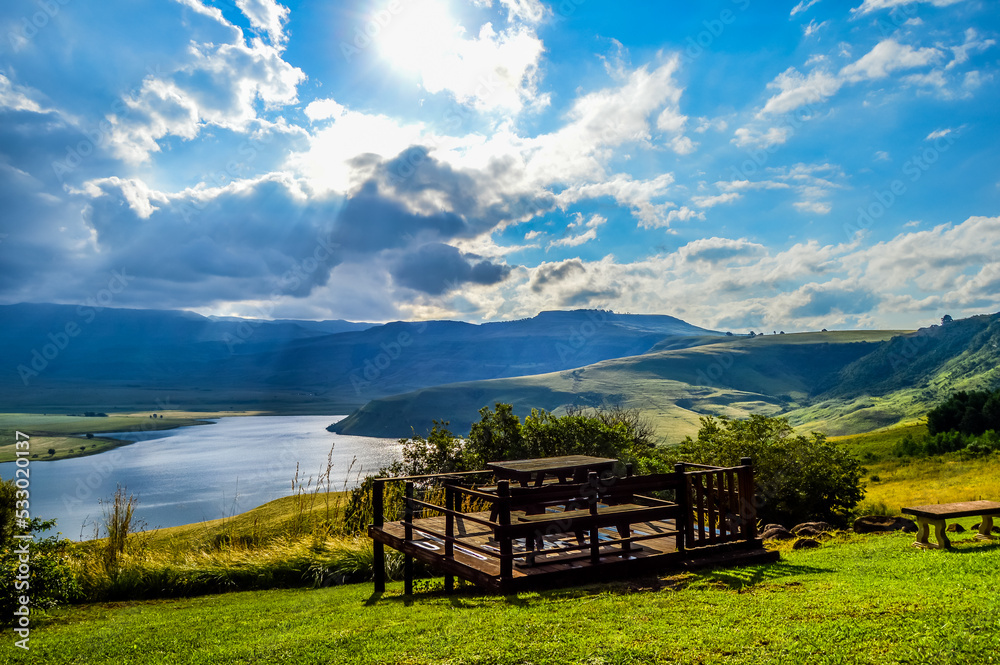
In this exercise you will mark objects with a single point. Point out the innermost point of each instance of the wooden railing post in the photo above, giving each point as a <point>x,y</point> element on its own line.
<point>378,518</point>
<point>407,537</point>
<point>683,500</point>
<point>506,543</point>
<point>595,539</point>
<point>449,532</point>
<point>748,495</point>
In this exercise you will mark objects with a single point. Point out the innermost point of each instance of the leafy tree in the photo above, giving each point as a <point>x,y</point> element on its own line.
<point>946,319</point>
<point>964,412</point>
<point>799,478</point>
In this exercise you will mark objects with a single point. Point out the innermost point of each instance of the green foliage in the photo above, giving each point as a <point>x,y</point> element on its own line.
<point>949,442</point>
<point>966,412</point>
<point>799,478</point>
<point>500,435</point>
<point>50,581</point>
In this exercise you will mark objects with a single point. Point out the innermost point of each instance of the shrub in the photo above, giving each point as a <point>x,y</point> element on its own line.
<point>799,478</point>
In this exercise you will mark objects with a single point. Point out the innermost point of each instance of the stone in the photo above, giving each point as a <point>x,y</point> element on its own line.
<point>817,527</point>
<point>808,532</point>
<point>805,544</point>
<point>777,533</point>
<point>955,528</point>
<point>884,523</point>
<point>975,527</point>
<point>771,526</point>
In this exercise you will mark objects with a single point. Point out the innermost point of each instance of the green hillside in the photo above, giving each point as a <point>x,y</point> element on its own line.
<point>732,376</point>
<point>839,382</point>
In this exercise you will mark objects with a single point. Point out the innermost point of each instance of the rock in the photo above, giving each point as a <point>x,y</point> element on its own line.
<point>805,544</point>
<point>883,523</point>
<point>777,533</point>
<point>771,526</point>
<point>976,527</point>
<point>817,527</point>
<point>955,528</point>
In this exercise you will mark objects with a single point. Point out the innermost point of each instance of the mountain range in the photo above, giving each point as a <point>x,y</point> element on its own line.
<point>395,378</point>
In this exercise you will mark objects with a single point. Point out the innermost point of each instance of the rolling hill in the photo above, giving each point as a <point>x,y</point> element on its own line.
<point>840,382</point>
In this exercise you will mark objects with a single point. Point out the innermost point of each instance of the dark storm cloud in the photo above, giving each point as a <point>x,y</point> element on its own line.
<point>437,268</point>
<point>553,274</point>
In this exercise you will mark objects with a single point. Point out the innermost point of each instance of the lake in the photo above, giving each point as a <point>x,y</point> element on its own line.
<point>193,474</point>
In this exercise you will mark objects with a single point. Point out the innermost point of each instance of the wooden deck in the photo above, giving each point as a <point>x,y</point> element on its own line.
<point>561,568</point>
<point>571,533</point>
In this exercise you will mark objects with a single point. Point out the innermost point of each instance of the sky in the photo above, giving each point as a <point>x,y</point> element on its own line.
<point>739,164</point>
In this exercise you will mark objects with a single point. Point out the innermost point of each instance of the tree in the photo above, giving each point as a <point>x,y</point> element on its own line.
<point>799,478</point>
<point>946,319</point>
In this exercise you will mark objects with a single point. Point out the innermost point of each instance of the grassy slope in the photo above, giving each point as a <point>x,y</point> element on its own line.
<point>273,518</point>
<point>868,599</point>
<point>56,431</point>
<point>732,376</point>
<point>900,482</point>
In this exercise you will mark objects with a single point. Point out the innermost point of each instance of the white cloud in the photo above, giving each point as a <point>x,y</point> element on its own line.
<point>813,27</point>
<point>972,44</point>
<point>711,201</point>
<point>492,71</point>
<point>886,57</point>
<point>796,90</point>
<point>18,98</point>
<point>218,85</point>
<point>590,234</point>
<point>802,6</point>
<point>818,207</point>
<point>882,156</point>
<point>869,6</point>
<point>323,109</point>
<point>268,16</point>
<point>746,137</point>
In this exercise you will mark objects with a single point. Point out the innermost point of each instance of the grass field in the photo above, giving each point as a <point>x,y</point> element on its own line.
<point>856,599</point>
<point>59,432</point>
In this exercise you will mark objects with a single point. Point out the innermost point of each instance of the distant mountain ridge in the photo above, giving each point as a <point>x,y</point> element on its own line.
<point>66,357</point>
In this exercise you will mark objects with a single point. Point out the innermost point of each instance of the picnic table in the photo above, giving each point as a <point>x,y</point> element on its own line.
<point>566,469</point>
<point>936,515</point>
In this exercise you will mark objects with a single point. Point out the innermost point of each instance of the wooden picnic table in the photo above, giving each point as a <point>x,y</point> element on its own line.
<point>566,469</point>
<point>936,515</point>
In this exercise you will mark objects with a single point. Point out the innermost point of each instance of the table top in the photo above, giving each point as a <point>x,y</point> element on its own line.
<point>962,509</point>
<point>551,464</point>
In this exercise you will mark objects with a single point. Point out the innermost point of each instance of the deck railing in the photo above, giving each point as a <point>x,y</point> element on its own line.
<point>713,506</point>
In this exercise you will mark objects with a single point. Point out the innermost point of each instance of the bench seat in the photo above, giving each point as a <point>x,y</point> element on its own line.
<point>936,515</point>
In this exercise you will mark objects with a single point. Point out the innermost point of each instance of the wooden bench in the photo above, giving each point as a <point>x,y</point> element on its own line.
<point>936,515</point>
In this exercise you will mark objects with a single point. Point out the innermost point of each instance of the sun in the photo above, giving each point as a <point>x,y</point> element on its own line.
<point>420,37</point>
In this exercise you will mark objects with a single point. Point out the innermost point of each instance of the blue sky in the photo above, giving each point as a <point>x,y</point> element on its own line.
<point>739,164</point>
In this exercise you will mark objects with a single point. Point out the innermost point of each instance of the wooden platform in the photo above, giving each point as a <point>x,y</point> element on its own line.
<point>569,532</point>
<point>565,568</point>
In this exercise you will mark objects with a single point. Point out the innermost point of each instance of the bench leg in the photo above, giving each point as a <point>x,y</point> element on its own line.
<point>924,527</point>
<point>624,531</point>
<point>985,528</point>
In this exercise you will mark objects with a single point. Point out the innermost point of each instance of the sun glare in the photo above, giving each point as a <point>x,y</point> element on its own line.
<point>419,37</point>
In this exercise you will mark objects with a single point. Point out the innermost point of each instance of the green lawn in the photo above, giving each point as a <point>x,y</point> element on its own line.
<point>857,599</point>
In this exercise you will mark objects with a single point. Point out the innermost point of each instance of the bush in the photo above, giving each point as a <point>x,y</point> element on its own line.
<point>799,478</point>
<point>50,582</point>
